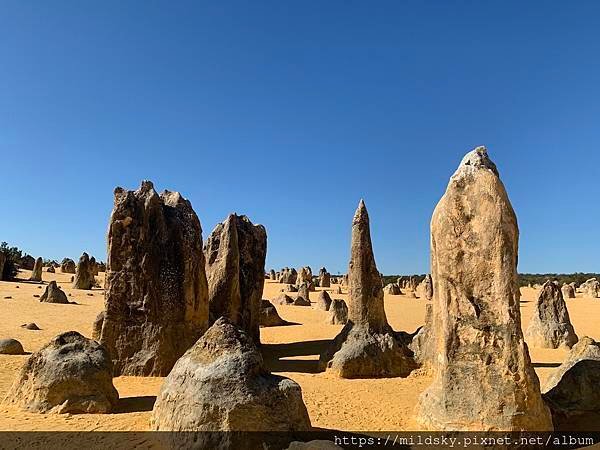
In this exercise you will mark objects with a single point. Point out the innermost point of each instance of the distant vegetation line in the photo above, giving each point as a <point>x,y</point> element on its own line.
<point>525,279</point>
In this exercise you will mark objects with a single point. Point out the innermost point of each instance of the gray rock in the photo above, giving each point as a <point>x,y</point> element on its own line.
<point>30,326</point>
<point>36,273</point>
<point>269,317</point>
<point>71,374</point>
<point>221,384</point>
<point>324,278</point>
<point>323,301</point>
<point>68,266</point>
<point>550,325</point>
<point>235,255</point>
<point>54,294</point>
<point>84,277</point>
<point>338,312</point>
<point>422,344</point>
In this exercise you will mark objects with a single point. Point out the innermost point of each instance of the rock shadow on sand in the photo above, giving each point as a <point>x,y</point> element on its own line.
<point>276,356</point>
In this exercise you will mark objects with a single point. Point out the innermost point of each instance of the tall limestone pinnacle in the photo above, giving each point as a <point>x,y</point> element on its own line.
<point>482,374</point>
<point>367,347</point>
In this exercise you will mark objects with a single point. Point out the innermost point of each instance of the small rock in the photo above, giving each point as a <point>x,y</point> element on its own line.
<point>11,347</point>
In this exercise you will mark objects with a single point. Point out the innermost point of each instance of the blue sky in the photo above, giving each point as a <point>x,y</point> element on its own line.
<point>290,112</point>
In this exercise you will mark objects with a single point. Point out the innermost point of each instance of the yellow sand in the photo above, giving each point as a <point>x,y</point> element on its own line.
<point>384,404</point>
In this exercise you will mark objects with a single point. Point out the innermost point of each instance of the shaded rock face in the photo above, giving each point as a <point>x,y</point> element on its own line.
<point>70,374</point>
<point>84,277</point>
<point>235,255</point>
<point>301,301</point>
<point>392,289</point>
<point>550,325</point>
<point>221,384</point>
<point>93,266</point>
<point>50,269</point>
<point>572,389</point>
<point>269,316</point>
<point>591,288</point>
<point>482,374</point>
<point>366,347</point>
<point>291,288</point>
<point>11,347</point>
<point>323,301</point>
<point>27,262</point>
<point>272,275</point>
<point>304,292</point>
<point>422,343</point>
<point>338,312</point>
<point>68,266</point>
<point>36,274</point>
<point>156,300</point>
<point>324,278</point>
<point>97,326</point>
<point>568,291</point>
<point>54,294</point>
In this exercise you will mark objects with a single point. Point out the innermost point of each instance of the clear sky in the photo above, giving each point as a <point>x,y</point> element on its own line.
<point>290,112</point>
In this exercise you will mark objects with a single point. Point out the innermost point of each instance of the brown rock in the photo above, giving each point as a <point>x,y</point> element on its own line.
<point>84,278</point>
<point>422,344</point>
<point>288,276</point>
<point>482,375</point>
<point>11,347</point>
<point>367,346</point>
<point>338,312</point>
<point>221,384</point>
<point>323,301</point>
<point>272,275</point>
<point>50,269</point>
<point>156,300</point>
<point>235,265</point>
<point>284,300</point>
<point>591,288</point>
<point>392,289</point>
<point>36,273</point>
<point>568,291</point>
<point>324,278</point>
<point>30,326</point>
<point>54,294</point>
<point>97,326</point>
<point>68,266</point>
<point>71,374</point>
<point>304,291</point>
<point>27,262</point>
<point>269,316</point>
<point>550,325</point>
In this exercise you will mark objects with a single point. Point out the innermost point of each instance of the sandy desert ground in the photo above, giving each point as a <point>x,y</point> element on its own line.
<point>333,403</point>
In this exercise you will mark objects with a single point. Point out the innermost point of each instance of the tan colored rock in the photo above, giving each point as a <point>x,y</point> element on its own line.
<point>235,255</point>
<point>324,278</point>
<point>422,344</point>
<point>367,346</point>
<point>156,300</point>
<point>71,374</point>
<point>221,384</point>
<point>304,291</point>
<point>591,288</point>
<point>283,300</point>
<point>483,379</point>
<point>68,266</point>
<point>550,325</point>
<point>568,291</point>
<point>392,289</point>
<point>36,273</point>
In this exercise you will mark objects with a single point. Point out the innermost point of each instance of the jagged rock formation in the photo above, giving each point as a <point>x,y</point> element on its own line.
<point>84,278</point>
<point>36,273</point>
<point>591,288</point>
<point>235,255</point>
<point>54,294</point>
<point>70,374</point>
<point>550,325</point>
<point>482,375</point>
<point>367,346</point>
<point>156,301</point>
<point>221,384</point>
